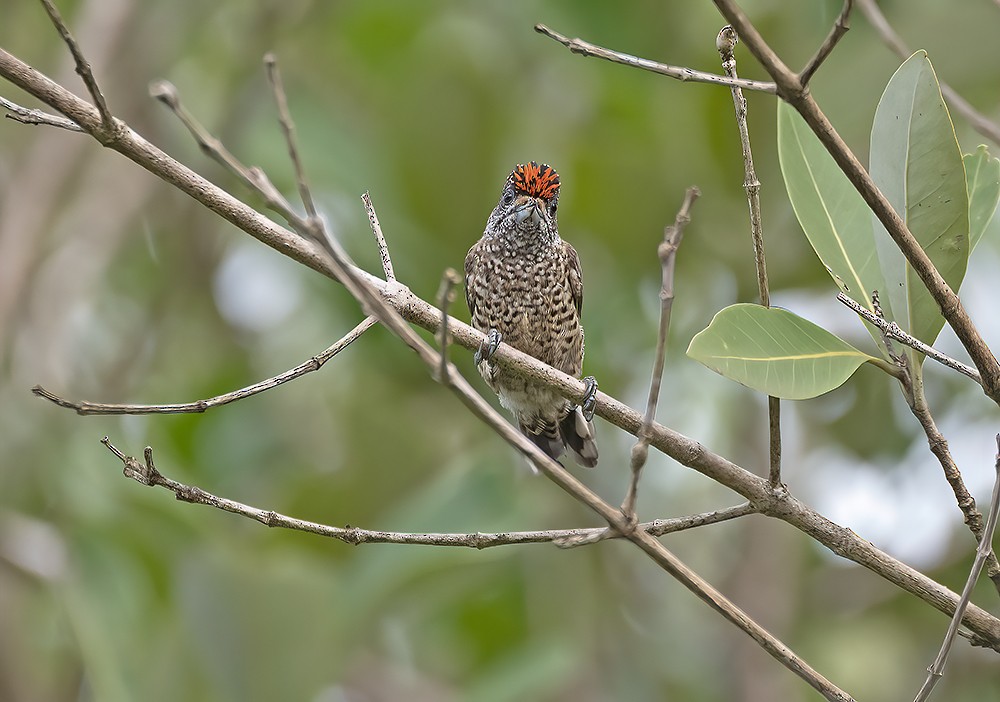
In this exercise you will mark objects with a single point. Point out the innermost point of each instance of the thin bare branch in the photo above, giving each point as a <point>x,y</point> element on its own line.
<point>726,44</point>
<point>83,69</point>
<point>840,28</point>
<point>657,527</point>
<point>976,119</point>
<point>985,627</point>
<point>445,296</point>
<point>939,447</point>
<point>893,331</point>
<point>288,129</point>
<point>383,248</point>
<point>148,474</point>
<point>85,407</point>
<point>667,252</point>
<point>26,115</point>
<point>253,177</point>
<point>983,552</point>
<point>584,48</point>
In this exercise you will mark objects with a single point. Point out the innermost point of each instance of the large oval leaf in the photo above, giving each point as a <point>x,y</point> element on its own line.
<point>982,175</point>
<point>830,211</point>
<point>775,351</point>
<point>917,164</point>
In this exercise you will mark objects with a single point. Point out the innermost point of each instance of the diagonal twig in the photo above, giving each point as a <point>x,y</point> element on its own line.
<point>85,407</point>
<point>667,252</point>
<point>83,69</point>
<point>894,331</point>
<point>840,28</point>
<point>445,296</point>
<point>983,552</point>
<point>584,48</point>
<point>383,248</point>
<point>288,129</point>
<point>726,44</point>
<point>253,177</point>
<point>26,115</point>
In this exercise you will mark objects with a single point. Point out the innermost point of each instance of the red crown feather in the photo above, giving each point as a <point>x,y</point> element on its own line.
<point>536,180</point>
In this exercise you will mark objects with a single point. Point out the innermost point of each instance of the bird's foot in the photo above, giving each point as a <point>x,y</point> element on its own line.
<point>489,346</point>
<point>589,403</point>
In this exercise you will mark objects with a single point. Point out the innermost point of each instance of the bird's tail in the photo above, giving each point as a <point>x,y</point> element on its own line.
<point>573,432</point>
<point>578,435</point>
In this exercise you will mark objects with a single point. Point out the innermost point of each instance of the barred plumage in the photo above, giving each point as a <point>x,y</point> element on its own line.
<point>525,282</point>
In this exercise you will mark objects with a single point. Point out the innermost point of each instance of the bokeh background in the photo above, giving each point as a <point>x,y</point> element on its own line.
<point>116,288</point>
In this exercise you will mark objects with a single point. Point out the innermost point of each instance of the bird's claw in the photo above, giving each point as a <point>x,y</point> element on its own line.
<point>589,403</point>
<point>488,347</point>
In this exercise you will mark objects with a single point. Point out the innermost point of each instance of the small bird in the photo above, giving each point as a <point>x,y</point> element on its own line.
<point>524,287</point>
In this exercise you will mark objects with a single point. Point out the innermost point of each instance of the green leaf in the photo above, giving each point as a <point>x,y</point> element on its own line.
<point>775,351</point>
<point>830,211</point>
<point>917,164</point>
<point>982,174</point>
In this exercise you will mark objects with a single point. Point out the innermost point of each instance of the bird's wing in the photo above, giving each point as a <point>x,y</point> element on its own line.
<point>470,273</point>
<point>574,274</point>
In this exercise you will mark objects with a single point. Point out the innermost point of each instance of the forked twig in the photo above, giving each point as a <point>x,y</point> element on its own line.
<point>667,252</point>
<point>983,552</point>
<point>726,44</point>
<point>84,70</point>
<point>917,401</point>
<point>253,177</point>
<point>893,331</point>
<point>146,473</point>
<point>585,48</point>
<point>85,407</point>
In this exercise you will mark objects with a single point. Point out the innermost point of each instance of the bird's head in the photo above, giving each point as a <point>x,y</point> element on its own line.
<point>528,202</point>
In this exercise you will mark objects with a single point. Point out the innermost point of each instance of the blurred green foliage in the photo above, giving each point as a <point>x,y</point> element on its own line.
<point>112,289</point>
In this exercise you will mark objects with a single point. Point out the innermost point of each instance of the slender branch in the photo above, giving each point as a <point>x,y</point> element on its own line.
<point>83,69</point>
<point>726,43</point>
<point>891,330</point>
<point>584,48</point>
<point>26,115</point>
<point>939,447</point>
<point>686,451</point>
<point>840,28</point>
<point>383,248</point>
<point>792,91</point>
<point>253,177</point>
<point>445,296</point>
<point>288,129</point>
<point>667,252</point>
<point>976,119</point>
<point>147,474</point>
<point>983,552</point>
<point>85,407</point>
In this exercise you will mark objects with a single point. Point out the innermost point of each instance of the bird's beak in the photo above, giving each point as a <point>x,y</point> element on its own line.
<point>528,208</point>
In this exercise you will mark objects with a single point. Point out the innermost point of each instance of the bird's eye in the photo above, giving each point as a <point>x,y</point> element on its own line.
<point>508,197</point>
<point>552,207</point>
